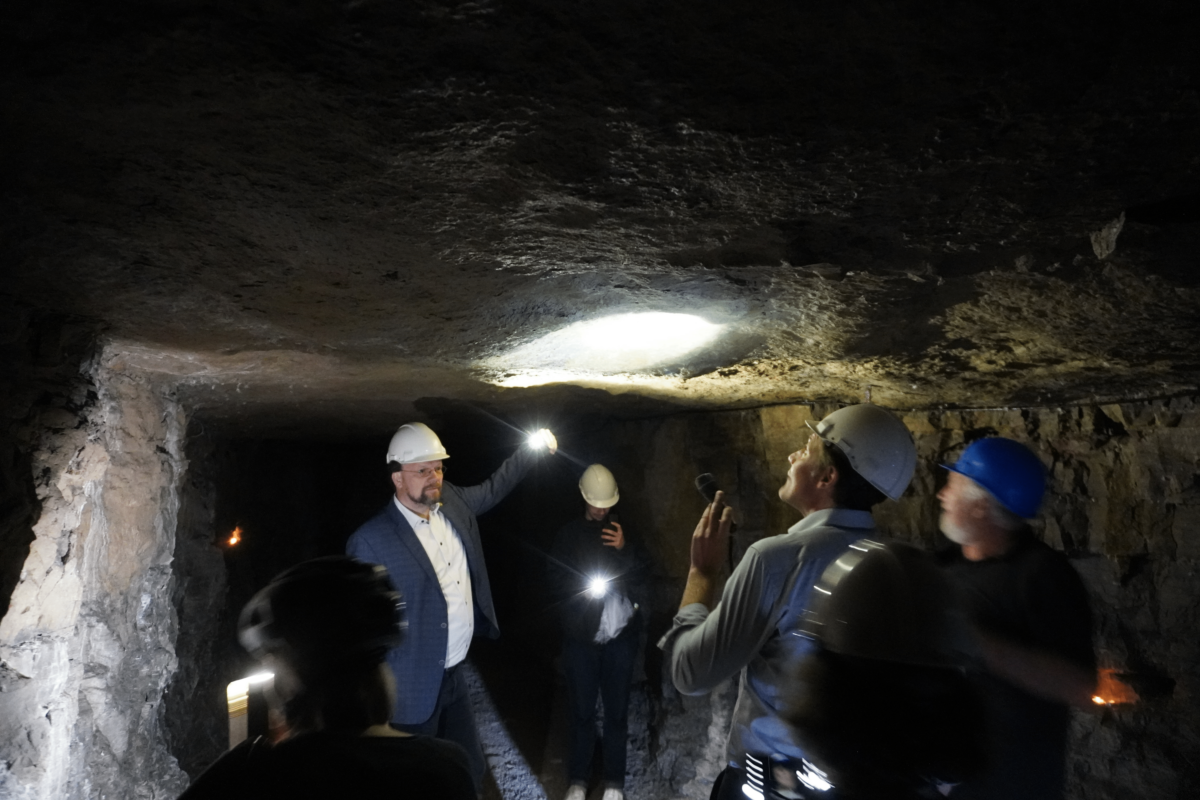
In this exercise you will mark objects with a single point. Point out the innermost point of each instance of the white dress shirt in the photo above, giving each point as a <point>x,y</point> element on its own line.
<point>445,550</point>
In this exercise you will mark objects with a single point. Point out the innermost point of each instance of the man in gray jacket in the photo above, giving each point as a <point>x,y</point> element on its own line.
<point>855,458</point>
<point>428,539</point>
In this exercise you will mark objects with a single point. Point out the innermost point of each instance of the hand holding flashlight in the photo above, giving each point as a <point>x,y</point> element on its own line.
<point>710,541</point>
<point>543,438</point>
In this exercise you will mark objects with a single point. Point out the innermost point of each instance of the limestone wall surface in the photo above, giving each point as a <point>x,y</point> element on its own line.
<point>91,685</point>
<point>87,644</point>
<point>1123,502</point>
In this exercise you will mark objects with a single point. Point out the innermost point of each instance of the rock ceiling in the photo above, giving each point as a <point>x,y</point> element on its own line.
<point>328,208</point>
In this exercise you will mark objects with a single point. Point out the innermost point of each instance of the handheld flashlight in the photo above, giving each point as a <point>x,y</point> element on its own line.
<point>598,587</point>
<point>247,704</point>
<point>542,438</point>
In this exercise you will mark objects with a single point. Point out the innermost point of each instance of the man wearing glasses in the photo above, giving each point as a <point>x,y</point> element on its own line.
<point>428,539</point>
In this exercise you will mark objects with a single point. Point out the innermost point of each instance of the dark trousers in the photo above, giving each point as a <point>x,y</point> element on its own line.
<point>453,719</point>
<point>606,668</point>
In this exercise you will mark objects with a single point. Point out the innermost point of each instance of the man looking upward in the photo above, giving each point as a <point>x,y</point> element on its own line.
<point>854,458</point>
<point>427,537</point>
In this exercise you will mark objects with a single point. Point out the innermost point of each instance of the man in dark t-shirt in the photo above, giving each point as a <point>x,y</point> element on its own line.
<point>1031,617</point>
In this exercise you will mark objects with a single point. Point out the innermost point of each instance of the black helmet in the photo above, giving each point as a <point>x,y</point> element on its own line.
<point>889,602</point>
<point>883,706</point>
<point>324,615</point>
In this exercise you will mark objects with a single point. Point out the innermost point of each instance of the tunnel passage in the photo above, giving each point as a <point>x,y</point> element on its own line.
<point>118,636</point>
<point>289,500</point>
<point>296,498</point>
<point>312,213</point>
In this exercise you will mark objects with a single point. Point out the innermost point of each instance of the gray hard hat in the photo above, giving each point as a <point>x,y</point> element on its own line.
<point>875,442</point>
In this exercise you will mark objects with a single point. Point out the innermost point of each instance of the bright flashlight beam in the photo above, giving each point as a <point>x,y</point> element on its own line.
<point>597,587</point>
<point>541,438</point>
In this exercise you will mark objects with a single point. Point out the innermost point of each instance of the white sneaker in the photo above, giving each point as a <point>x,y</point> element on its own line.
<point>576,792</point>
<point>613,794</point>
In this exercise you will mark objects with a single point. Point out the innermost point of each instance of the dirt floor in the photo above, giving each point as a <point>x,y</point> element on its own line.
<point>521,709</point>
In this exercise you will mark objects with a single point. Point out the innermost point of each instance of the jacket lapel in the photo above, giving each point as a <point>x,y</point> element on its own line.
<point>408,536</point>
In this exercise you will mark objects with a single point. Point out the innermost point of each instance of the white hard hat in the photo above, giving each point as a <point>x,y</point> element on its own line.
<point>876,444</point>
<point>414,443</point>
<point>599,487</point>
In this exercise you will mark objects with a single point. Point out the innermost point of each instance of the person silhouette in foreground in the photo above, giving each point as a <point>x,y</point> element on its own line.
<point>882,708</point>
<point>324,628</point>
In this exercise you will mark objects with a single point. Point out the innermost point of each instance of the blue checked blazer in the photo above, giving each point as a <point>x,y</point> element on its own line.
<point>388,539</point>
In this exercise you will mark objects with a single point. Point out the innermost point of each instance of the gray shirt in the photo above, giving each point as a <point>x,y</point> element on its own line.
<point>755,627</point>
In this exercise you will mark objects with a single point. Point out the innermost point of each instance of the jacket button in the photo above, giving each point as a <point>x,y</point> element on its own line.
<point>442,661</point>
<point>443,624</point>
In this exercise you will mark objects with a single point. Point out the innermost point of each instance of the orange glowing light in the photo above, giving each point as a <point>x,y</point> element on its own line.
<point>1111,690</point>
<point>235,537</point>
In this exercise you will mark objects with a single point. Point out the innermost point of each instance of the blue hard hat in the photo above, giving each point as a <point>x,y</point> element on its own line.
<point>1008,470</point>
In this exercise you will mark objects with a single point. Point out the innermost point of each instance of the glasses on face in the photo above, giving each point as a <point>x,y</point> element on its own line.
<point>425,473</point>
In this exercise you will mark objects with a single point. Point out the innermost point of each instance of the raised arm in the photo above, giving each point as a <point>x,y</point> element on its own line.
<point>483,496</point>
<point>710,543</point>
<point>704,648</point>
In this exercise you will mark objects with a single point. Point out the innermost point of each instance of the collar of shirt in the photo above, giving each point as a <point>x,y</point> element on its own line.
<point>413,518</point>
<point>838,517</point>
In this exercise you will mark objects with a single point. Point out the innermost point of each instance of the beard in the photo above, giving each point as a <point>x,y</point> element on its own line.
<point>953,531</point>
<point>429,497</point>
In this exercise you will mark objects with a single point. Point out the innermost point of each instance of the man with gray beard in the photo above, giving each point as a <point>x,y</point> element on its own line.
<point>1030,614</point>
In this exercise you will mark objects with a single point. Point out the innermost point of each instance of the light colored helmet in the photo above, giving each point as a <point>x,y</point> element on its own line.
<point>599,487</point>
<point>414,443</point>
<point>876,444</point>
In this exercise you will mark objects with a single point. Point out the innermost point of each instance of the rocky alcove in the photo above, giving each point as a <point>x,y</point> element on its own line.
<point>241,242</point>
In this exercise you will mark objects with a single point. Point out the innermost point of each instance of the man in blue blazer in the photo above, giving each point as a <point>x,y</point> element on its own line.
<point>428,539</point>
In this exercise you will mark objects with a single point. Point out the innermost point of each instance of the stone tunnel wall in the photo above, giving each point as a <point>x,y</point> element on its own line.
<point>1124,503</point>
<point>87,645</point>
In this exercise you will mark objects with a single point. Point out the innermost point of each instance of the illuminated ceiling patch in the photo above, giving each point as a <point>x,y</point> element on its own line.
<point>620,343</point>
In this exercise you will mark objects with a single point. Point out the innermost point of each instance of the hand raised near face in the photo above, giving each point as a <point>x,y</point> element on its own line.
<point>710,541</point>
<point>613,535</point>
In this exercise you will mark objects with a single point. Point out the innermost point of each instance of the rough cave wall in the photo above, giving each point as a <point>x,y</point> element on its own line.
<point>1124,503</point>
<point>87,642</point>
<point>194,706</point>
